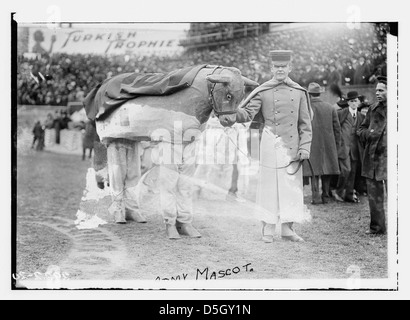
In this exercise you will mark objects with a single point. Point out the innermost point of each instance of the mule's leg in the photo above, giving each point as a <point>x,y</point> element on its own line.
<point>84,154</point>
<point>131,182</point>
<point>90,154</point>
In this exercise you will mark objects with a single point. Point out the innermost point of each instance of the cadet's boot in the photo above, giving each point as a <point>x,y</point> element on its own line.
<point>172,232</point>
<point>289,234</point>
<point>187,229</point>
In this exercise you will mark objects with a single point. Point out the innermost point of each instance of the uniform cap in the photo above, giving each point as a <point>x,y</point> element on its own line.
<point>281,56</point>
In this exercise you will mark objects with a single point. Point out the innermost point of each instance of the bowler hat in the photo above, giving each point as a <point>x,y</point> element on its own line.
<point>352,95</point>
<point>315,88</point>
<point>281,56</point>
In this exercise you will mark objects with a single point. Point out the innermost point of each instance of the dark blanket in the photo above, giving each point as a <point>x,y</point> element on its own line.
<point>114,92</point>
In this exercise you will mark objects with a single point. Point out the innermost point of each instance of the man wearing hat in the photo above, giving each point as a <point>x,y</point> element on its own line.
<point>351,149</point>
<point>325,145</point>
<point>373,134</point>
<point>285,141</point>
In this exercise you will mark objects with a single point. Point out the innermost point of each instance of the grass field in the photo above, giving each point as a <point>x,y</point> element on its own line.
<point>49,191</point>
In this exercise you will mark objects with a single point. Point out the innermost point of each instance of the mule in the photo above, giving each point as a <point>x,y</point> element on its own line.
<point>177,118</point>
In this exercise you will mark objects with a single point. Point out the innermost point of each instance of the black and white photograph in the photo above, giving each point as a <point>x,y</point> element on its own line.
<point>215,154</point>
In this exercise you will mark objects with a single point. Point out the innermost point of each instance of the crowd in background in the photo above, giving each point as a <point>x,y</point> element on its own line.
<point>324,53</point>
<point>202,34</point>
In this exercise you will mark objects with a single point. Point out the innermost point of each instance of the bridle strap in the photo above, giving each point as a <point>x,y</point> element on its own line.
<point>211,98</point>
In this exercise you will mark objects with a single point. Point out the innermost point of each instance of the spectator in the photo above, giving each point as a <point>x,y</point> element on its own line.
<point>334,76</point>
<point>362,72</point>
<point>65,120</point>
<point>348,74</point>
<point>57,125</point>
<point>352,151</point>
<point>322,76</point>
<point>373,134</point>
<point>326,137</point>
<point>38,132</point>
<point>89,136</point>
<point>360,182</point>
<point>49,123</point>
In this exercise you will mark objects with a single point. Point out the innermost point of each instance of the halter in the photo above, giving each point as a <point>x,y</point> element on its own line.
<point>211,98</point>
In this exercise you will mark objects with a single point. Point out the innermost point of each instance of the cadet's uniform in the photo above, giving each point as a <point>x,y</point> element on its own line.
<point>288,129</point>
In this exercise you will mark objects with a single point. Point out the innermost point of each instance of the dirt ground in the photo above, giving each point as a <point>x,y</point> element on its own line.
<point>49,191</point>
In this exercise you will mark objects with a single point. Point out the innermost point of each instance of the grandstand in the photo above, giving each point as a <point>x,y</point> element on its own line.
<point>322,54</point>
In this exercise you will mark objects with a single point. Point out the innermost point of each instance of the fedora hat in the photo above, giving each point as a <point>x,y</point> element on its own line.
<point>352,95</point>
<point>315,88</point>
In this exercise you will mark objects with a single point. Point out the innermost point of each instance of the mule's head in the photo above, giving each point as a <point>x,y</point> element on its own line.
<point>227,91</point>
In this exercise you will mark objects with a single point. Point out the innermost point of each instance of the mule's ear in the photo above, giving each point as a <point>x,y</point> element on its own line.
<point>249,82</point>
<point>217,78</point>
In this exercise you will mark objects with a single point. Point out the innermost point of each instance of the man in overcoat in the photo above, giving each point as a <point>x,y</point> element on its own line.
<point>373,134</point>
<point>362,72</point>
<point>352,150</point>
<point>285,141</point>
<point>325,145</point>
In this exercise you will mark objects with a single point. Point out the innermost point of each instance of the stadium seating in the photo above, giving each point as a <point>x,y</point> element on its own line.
<point>56,80</point>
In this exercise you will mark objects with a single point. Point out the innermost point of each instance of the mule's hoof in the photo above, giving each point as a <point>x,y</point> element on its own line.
<point>136,216</point>
<point>172,232</point>
<point>187,229</point>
